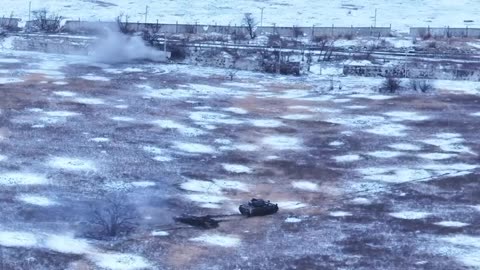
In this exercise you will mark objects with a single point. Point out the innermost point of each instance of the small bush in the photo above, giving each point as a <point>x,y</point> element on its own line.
<point>423,86</point>
<point>49,23</point>
<point>113,217</point>
<point>390,85</point>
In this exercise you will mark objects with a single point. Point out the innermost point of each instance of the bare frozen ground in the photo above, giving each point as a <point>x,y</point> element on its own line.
<point>363,180</point>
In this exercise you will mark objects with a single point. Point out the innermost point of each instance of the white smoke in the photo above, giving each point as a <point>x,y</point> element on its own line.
<point>116,47</point>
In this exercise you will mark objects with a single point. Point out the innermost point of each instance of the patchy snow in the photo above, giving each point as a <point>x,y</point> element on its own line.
<point>17,239</point>
<point>65,93</point>
<point>406,116</point>
<point>394,130</point>
<point>394,174</point>
<point>100,139</point>
<point>36,200</point>
<point>201,186</point>
<point>122,118</point>
<point>230,184</point>
<point>206,198</point>
<point>410,215</point>
<point>10,80</point>
<point>236,168</point>
<point>266,123</point>
<point>306,185</point>
<point>336,143</point>
<point>361,201</point>
<point>297,116</point>
<point>61,114</point>
<point>153,150</point>
<point>9,61</point>
<point>68,244</point>
<point>195,148</point>
<point>160,233</point>
<point>72,164</point>
<point>22,178</point>
<point>246,147</point>
<point>356,107</point>
<point>118,261</point>
<point>385,154</point>
<point>341,100</point>
<point>236,110</point>
<point>452,224</point>
<point>143,184</point>
<point>89,101</point>
<point>340,214</point>
<point>405,147</point>
<point>372,97</point>
<point>291,205</point>
<point>121,106</point>
<point>213,117</point>
<point>436,156</point>
<point>293,220</point>
<point>281,142</point>
<point>218,240</point>
<point>163,158</point>
<point>95,78</point>
<point>347,158</point>
<point>183,129</point>
<point>464,248</point>
<point>449,142</point>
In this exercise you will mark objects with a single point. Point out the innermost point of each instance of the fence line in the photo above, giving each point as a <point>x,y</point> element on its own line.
<point>286,31</point>
<point>444,32</point>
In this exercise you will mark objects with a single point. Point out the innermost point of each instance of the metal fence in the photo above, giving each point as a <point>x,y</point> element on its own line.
<point>293,31</point>
<point>445,32</point>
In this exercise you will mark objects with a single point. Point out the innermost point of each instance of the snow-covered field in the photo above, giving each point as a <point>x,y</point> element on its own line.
<point>363,180</point>
<point>399,14</point>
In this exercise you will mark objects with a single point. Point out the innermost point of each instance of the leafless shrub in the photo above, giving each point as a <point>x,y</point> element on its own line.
<point>44,22</point>
<point>122,23</point>
<point>423,86</point>
<point>231,73</point>
<point>250,23</point>
<point>390,85</point>
<point>114,217</point>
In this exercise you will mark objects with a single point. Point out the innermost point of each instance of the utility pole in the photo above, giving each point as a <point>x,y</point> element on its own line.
<point>29,9</point>
<point>375,20</point>
<point>146,14</point>
<point>261,16</point>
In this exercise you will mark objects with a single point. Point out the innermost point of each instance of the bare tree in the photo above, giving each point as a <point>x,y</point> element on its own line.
<point>114,217</point>
<point>45,22</point>
<point>122,23</point>
<point>250,22</point>
<point>390,85</point>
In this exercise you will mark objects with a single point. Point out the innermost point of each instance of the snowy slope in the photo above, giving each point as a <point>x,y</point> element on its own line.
<point>401,14</point>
